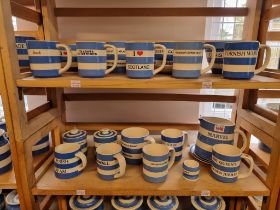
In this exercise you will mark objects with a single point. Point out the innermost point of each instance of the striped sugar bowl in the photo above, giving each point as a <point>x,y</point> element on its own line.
<point>86,202</point>
<point>76,136</point>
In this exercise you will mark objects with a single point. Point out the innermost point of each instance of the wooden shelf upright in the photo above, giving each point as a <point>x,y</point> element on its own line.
<point>30,126</point>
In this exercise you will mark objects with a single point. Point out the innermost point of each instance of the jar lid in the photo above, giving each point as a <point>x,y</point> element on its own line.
<point>208,202</point>
<point>105,133</point>
<point>163,202</point>
<point>12,198</point>
<point>126,202</point>
<point>87,202</point>
<point>74,133</point>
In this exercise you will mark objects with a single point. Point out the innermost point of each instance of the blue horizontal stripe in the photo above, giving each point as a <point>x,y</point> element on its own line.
<point>64,59</point>
<point>178,149</point>
<point>133,140</point>
<point>22,51</point>
<point>178,157</point>
<point>224,168</point>
<point>140,60</point>
<point>3,141</point>
<point>211,204</point>
<point>217,60</point>
<point>92,59</point>
<point>155,158</point>
<point>6,168</point>
<point>108,168</point>
<point>168,205</point>
<point>191,177</point>
<point>218,45</point>
<point>112,56</point>
<point>238,75</point>
<point>5,155</point>
<point>132,151</point>
<point>106,177</point>
<point>105,140</point>
<point>23,39</point>
<point>186,74</point>
<point>133,161</point>
<point>44,59</point>
<point>168,45</point>
<point>130,205</point>
<point>225,157</point>
<point>23,63</point>
<point>155,169</point>
<point>45,73</point>
<point>211,141</point>
<point>242,45</point>
<point>139,74</point>
<point>119,70</point>
<point>160,57</point>
<point>68,175</point>
<point>83,146</point>
<point>139,46</point>
<point>240,61</point>
<point>104,157</point>
<point>223,179</point>
<point>43,140</point>
<point>203,153</point>
<point>228,129</point>
<point>75,139</point>
<point>192,169</point>
<point>187,59</point>
<point>90,45</point>
<point>217,71</point>
<point>117,44</point>
<point>155,180</point>
<point>66,155</point>
<point>94,73</point>
<point>188,45</point>
<point>40,151</point>
<point>67,166</point>
<point>172,140</point>
<point>41,45</point>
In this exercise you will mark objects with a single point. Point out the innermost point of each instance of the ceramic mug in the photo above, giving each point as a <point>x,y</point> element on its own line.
<point>110,161</point>
<point>140,57</point>
<point>187,59</point>
<point>127,202</point>
<point>45,59</point>
<point>92,58</point>
<point>226,163</point>
<point>191,170</point>
<point>215,130</point>
<point>69,160</point>
<point>133,141</point>
<point>240,59</point>
<point>74,64</point>
<point>12,201</point>
<point>217,68</point>
<point>86,202</point>
<point>163,202</point>
<point>157,160</point>
<point>22,51</point>
<point>169,59</point>
<point>174,138</point>
<point>76,136</point>
<point>105,136</point>
<point>121,56</point>
<point>5,153</point>
<point>42,146</point>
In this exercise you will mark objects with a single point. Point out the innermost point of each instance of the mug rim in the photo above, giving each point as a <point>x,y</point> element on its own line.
<point>132,130</point>
<point>102,42</point>
<point>155,149</point>
<point>166,133</point>
<point>62,148</point>
<point>227,150</point>
<point>108,149</point>
<point>191,163</point>
<point>219,121</point>
<point>42,41</point>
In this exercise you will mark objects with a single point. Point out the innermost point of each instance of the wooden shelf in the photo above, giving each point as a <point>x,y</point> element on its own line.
<point>134,184</point>
<point>8,180</point>
<point>70,80</point>
<point>260,155</point>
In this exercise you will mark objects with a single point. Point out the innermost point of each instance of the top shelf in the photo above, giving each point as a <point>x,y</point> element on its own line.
<point>206,81</point>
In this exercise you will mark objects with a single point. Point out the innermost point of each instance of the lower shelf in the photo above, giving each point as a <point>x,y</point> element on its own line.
<point>134,184</point>
<point>8,180</point>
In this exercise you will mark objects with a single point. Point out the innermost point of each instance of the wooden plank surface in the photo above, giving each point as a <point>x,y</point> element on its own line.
<point>264,157</point>
<point>146,12</point>
<point>69,80</point>
<point>268,93</point>
<point>273,13</point>
<point>273,36</point>
<point>8,180</point>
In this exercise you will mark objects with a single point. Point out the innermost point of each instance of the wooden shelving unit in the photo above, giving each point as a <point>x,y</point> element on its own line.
<point>35,175</point>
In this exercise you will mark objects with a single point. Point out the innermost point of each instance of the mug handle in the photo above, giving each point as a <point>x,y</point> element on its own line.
<point>83,158</point>
<point>69,58</point>
<point>251,163</point>
<point>115,51</point>
<point>122,164</point>
<point>164,50</point>
<point>150,140</point>
<point>267,58</point>
<point>244,138</point>
<point>213,57</point>
<point>172,157</point>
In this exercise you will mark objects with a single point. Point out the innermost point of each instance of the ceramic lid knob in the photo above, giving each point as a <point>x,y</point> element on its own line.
<point>85,202</point>
<point>163,202</point>
<point>127,202</point>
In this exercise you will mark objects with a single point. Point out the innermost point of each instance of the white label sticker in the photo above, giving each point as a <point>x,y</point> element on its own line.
<point>75,83</point>
<point>80,192</point>
<point>207,85</point>
<point>205,193</point>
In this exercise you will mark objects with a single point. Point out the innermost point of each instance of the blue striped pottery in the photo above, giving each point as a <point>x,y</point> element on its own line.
<point>163,202</point>
<point>191,170</point>
<point>110,162</point>
<point>140,58</point>
<point>76,136</point>
<point>86,202</point>
<point>169,59</point>
<point>127,202</point>
<point>92,58</point>
<point>174,138</point>
<point>45,58</point>
<point>69,161</point>
<point>121,56</point>
<point>105,136</point>
<point>218,65</point>
<point>42,146</point>
<point>240,59</point>
<point>74,64</point>
<point>2,201</point>
<point>133,141</point>
<point>157,160</point>
<point>226,163</point>
<point>5,153</point>
<point>22,51</point>
<point>187,59</point>
<point>12,201</point>
<point>215,130</point>
<point>208,203</point>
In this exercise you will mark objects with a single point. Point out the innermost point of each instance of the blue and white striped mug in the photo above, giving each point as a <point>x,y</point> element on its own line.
<point>121,56</point>
<point>191,170</point>
<point>76,136</point>
<point>140,58</point>
<point>110,161</point>
<point>45,58</point>
<point>174,138</point>
<point>169,59</point>
<point>157,160</point>
<point>69,161</point>
<point>187,59</point>
<point>92,58</point>
<point>22,51</point>
<point>5,153</point>
<point>226,163</point>
<point>217,68</point>
<point>133,141</point>
<point>240,59</point>
<point>74,64</point>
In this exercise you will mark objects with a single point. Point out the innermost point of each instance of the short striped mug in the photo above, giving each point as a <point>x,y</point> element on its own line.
<point>157,160</point>
<point>140,58</point>
<point>69,161</point>
<point>92,58</point>
<point>240,59</point>
<point>226,163</point>
<point>187,59</point>
<point>22,51</point>
<point>191,170</point>
<point>121,56</point>
<point>45,58</point>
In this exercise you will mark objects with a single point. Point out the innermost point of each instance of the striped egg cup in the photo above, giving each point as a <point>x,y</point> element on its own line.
<point>191,170</point>
<point>22,52</point>
<point>42,146</point>
<point>121,66</point>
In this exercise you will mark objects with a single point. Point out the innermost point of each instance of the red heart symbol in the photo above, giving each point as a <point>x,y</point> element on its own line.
<point>64,53</point>
<point>140,52</point>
